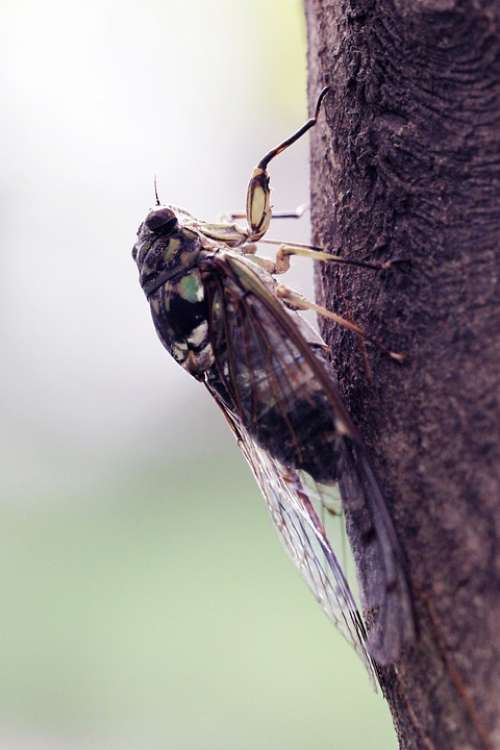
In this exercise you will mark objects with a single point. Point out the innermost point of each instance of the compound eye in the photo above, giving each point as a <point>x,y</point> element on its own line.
<point>161,221</point>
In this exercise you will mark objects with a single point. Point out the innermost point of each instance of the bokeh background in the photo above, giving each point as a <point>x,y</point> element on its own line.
<point>145,599</point>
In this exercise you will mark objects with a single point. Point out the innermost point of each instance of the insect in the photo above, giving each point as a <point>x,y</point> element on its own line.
<point>220,312</point>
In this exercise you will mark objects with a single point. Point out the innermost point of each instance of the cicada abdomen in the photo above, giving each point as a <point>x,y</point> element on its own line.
<point>265,378</point>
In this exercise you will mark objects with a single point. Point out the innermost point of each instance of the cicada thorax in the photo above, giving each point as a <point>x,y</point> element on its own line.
<point>167,256</point>
<point>179,313</point>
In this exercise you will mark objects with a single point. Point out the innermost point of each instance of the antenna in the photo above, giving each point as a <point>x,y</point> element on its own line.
<point>156,191</point>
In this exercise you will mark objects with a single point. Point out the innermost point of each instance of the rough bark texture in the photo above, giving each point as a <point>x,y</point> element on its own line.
<point>406,165</point>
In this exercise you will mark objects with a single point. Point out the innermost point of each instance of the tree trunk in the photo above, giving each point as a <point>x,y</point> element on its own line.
<point>406,166</point>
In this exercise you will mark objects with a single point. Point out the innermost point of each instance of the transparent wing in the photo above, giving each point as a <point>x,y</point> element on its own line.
<point>274,383</point>
<point>290,498</point>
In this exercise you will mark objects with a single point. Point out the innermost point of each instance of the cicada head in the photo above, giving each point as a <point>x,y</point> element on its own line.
<point>164,248</point>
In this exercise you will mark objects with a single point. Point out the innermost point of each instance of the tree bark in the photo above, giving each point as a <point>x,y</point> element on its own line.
<point>406,166</point>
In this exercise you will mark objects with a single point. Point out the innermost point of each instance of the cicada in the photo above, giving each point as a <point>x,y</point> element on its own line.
<point>220,312</point>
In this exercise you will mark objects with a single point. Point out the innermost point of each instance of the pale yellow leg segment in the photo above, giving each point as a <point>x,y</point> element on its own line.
<point>286,250</point>
<point>296,213</point>
<point>297,302</point>
<point>266,263</point>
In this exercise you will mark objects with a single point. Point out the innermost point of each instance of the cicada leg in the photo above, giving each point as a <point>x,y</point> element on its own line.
<point>296,301</point>
<point>281,263</point>
<point>258,205</point>
<point>296,213</point>
<point>313,252</point>
<point>329,509</point>
<point>266,263</point>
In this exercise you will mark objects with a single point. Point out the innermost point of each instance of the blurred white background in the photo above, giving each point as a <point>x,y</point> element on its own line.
<point>146,601</point>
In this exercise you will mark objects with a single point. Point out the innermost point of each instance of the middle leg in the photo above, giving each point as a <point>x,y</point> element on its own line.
<point>313,252</point>
<point>296,301</point>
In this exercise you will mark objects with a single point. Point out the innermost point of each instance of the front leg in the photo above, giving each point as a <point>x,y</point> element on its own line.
<point>258,206</point>
<point>296,213</point>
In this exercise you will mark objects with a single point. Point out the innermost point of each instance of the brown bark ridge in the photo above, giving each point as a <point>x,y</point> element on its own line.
<point>406,166</point>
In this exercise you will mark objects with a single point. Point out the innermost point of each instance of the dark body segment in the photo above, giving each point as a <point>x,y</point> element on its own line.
<point>179,312</point>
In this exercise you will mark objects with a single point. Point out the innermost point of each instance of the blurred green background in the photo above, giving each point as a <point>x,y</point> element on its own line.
<point>146,600</point>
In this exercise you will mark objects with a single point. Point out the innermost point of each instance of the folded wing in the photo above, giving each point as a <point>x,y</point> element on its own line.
<point>271,379</point>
